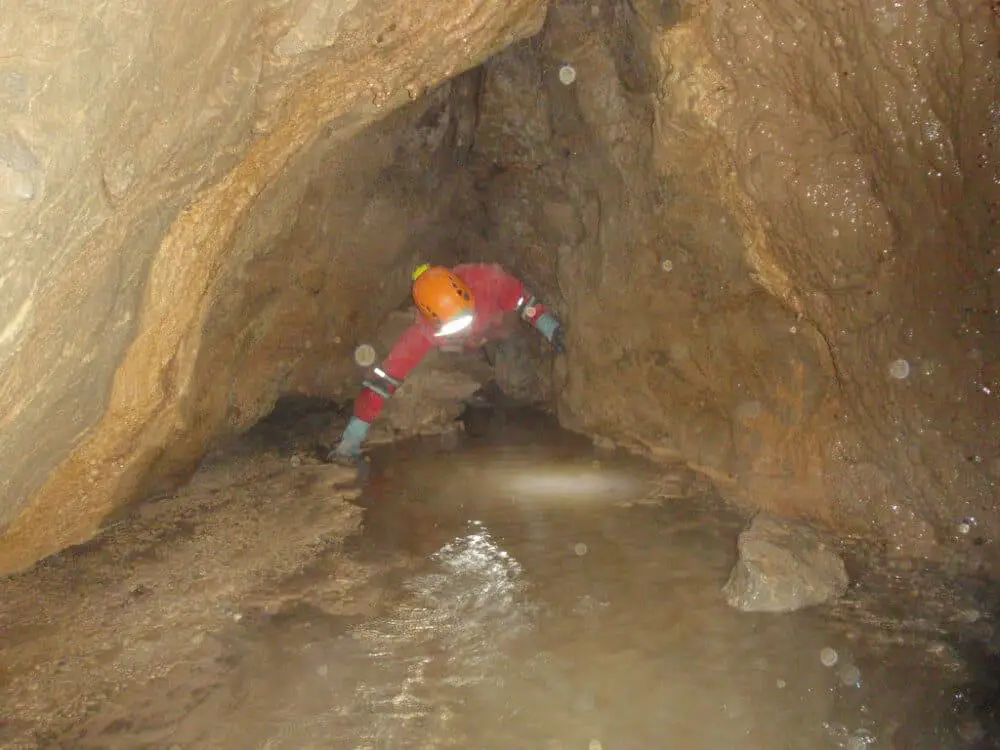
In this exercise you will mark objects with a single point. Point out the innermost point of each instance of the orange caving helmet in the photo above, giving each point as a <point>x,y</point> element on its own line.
<point>441,296</point>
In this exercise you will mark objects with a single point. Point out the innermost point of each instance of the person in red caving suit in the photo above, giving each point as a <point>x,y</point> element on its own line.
<point>464,305</point>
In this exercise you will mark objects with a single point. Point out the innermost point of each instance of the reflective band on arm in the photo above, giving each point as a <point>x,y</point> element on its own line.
<point>383,383</point>
<point>526,307</point>
<point>383,375</point>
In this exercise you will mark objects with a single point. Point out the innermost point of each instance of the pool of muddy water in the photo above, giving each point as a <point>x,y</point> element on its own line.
<point>553,600</point>
<point>556,607</point>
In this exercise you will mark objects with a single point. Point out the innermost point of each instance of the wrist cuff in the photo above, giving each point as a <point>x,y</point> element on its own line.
<point>356,430</point>
<point>547,325</point>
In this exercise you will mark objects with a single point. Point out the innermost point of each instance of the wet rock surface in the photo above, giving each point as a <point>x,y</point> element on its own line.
<point>784,566</point>
<point>722,201</point>
<point>196,218</point>
<point>145,617</point>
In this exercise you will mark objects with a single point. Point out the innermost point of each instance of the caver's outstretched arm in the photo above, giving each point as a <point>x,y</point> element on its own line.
<point>515,297</point>
<point>408,351</point>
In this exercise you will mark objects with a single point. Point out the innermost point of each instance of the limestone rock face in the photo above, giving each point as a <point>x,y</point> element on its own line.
<point>873,223</point>
<point>153,159</point>
<point>783,566</point>
<point>775,252</point>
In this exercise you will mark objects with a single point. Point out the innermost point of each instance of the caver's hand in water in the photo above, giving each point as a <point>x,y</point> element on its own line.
<point>348,453</point>
<point>348,450</point>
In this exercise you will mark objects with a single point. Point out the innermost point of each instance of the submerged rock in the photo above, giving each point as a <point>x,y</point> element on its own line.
<point>783,566</point>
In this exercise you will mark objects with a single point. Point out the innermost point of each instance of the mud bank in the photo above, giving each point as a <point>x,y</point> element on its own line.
<point>143,619</point>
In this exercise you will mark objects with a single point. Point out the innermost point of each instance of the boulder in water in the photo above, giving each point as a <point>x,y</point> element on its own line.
<point>783,566</point>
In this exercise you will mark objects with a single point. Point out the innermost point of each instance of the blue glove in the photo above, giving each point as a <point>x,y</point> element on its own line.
<point>349,448</point>
<point>552,330</point>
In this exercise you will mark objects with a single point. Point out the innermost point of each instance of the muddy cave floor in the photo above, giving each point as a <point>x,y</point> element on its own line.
<point>504,588</point>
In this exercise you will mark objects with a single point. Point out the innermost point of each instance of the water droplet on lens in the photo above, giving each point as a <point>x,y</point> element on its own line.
<point>899,369</point>
<point>364,355</point>
<point>828,656</point>
<point>850,675</point>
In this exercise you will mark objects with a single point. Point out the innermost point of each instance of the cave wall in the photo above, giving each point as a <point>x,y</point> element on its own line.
<point>357,210</point>
<point>752,216</point>
<point>153,158</point>
<point>861,166</point>
<point>748,213</point>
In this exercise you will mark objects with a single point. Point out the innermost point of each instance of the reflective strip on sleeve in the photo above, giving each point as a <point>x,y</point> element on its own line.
<point>383,383</point>
<point>526,307</point>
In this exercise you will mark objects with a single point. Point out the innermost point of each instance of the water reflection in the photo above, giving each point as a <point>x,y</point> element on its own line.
<point>448,637</point>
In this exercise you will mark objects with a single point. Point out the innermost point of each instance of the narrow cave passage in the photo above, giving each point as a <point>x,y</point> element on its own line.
<point>749,507</point>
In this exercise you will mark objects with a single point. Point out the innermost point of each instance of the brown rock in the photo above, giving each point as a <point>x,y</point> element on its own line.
<point>167,153</point>
<point>812,235</point>
<point>783,567</point>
